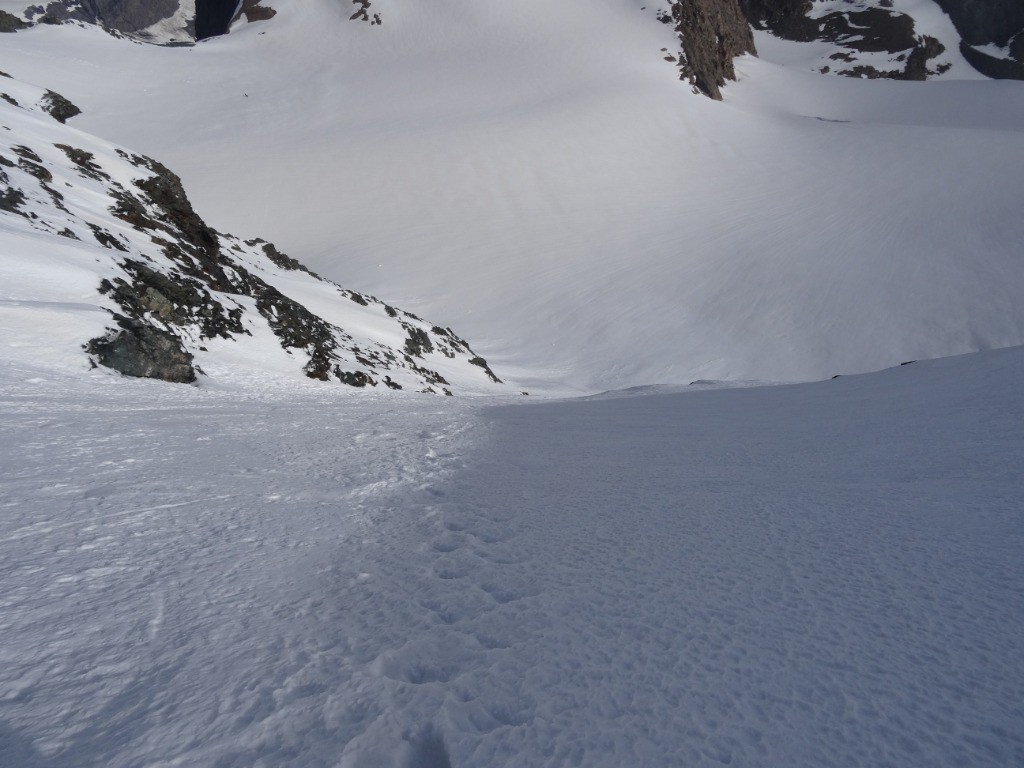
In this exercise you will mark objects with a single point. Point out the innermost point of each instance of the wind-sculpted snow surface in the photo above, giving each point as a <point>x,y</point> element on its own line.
<point>812,575</point>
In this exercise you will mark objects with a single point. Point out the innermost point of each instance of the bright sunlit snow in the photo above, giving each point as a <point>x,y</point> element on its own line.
<point>264,570</point>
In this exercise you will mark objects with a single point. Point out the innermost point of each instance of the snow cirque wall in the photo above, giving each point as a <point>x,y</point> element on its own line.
<point>539,177</point>
<point>899,39</point>
<point>103,249</point>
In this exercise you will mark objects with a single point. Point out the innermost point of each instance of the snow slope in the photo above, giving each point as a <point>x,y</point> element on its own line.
<point>817,574</point>
<point>536,176</point>
<point>101,246</point>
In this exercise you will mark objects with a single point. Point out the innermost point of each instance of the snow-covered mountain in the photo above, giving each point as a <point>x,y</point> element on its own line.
<point>542,180</point>
<point>900,39</point>
<point>103,251</point>
<point>271,569</point>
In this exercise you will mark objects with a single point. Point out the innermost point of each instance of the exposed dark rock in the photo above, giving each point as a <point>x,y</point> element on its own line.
<point>106,239</point>
<point>298,328</point>
<point>356,379</point>
<point>10,22</point>
<point>25,153</point>
<point>917,62</point>
<point>121,15</point>
<point>990,66</point>
<point>785,18</point>
<point>174,299</point>
<point>165,191</point>
<point>418,342</point>
<point>363,13</point>
<point>1017,47</point>
<point>713,33</point>
<point>979,22</point>
<point>280,259</point>
<point>481,363</point>
<point>253,11</point>
<point>143,351</point>
<point>180,283</point>
<point>985,21</point>
<point>84,161</point>
<point>213,17</point>
<point>858,30</point>
<point>59,108</point>
<point>11,199</point>
<point>36,169</point>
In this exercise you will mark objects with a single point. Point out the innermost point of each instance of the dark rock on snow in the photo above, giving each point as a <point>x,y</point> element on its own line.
<point>144,351</point>
<point>712,33</point>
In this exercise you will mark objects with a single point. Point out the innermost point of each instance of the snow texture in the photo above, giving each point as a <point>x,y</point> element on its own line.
<point>817,574</point>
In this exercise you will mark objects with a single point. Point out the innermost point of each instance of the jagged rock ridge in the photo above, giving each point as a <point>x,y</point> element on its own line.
<point>874,39</point>
<point>712,34</point>
<point>175,288</point>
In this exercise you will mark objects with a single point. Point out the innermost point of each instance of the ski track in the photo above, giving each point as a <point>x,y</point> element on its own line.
<point>812,575</point>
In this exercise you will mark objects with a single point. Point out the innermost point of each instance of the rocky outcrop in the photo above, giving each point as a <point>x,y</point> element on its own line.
<point>58,107</point>
<point>981,22</point>
<point>997,23</point>
<point>363,13</point>
<point>142,350</point>
<point>253,11</point>
<point>870,38</point>
<point>122,15</point>
<point>10,23</point>
<point>178,21</point>
<point>175,288</point>
<point>862,28</point>
<point>213,17</point>
<point>712,34</point>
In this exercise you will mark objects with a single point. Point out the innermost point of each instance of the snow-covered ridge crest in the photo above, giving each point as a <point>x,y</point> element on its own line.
<point>179,299</point>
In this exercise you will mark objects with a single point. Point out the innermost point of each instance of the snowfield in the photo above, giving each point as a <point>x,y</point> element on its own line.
<point>262,570</point>
<point>536,176</point>
<point>816,574</point>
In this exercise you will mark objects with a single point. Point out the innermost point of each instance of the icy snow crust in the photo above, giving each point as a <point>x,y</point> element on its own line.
<point>536,176</point>
<point>818,574</point>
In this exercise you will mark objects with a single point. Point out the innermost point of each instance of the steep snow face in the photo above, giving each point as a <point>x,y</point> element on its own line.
<point>537,176</point>
<point>103,250</point>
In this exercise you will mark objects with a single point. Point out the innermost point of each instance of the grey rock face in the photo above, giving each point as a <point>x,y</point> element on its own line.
<point>712,33</point>
<point>213,17</point>
<point>10,23</point>
<point>873,26</point>
<point>144,351</point>
<point>999,22</point>
<point>59,108</point>
<point>985,21</point>
<point>126,16</point>
<point>132,17</point>
<point>862,27</point>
